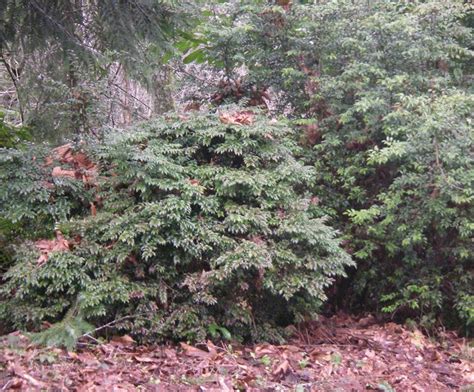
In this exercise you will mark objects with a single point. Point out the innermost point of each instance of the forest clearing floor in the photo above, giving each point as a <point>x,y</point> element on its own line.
<point>339,353</point>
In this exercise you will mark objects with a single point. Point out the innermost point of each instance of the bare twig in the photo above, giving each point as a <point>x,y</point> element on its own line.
<point>131,95</point>
<point>89,333</point>
<point>14,79</point>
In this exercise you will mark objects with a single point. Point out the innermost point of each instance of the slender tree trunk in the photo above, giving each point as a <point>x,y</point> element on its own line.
<point>127,111</point>
<point>162,93</point>
<point>14,75</point>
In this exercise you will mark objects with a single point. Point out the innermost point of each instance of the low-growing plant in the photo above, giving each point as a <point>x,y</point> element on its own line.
<point>198,222</point>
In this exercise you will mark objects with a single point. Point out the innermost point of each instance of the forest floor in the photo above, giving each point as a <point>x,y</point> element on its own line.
<point>334,354</point>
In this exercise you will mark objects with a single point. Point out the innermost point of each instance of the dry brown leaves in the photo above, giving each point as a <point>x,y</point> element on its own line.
<point>245,117</point>
<point>124,340</point>
<point>58,244</point>
<point>339,353</point>
<point>79,165</point>
<point>286,4</point>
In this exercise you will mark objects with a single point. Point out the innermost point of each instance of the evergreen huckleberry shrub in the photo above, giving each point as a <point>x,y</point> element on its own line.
<point>382,93</point>
<point>201,226</point>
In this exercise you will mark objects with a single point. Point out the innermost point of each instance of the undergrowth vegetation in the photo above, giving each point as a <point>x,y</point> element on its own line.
<point>199,228</point>
<point>223,223</point>
<point>381,93</point>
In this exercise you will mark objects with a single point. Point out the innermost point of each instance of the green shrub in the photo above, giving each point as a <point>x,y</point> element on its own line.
<point>382,94</point>
<point>424,218</point>
<point>202,228</point>
<point>32,203</point>
<point>31,198</point>
<point>10,137</point>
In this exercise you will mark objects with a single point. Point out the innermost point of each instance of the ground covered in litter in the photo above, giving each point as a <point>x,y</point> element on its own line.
<point>333,354</point>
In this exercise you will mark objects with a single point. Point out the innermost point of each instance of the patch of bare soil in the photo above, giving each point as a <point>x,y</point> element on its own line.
<point>335,354</point>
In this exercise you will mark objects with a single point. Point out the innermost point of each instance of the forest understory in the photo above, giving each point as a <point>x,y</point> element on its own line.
<point>208,195</point>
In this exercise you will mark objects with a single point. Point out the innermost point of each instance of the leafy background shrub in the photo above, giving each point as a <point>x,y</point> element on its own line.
<point>382,95</point>
<point>10,137</point>
<point>201,226</point>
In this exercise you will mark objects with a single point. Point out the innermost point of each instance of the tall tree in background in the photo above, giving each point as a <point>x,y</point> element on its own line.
<point>67,58</point>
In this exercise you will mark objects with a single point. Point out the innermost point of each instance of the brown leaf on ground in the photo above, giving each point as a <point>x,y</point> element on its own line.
<point>268,136</point>
<point>194,352</point>
<point>18,371</point>
<point>124,340</point>
<point>81,160</point>
<point>257,239</point>
<point>286,4</point>
<point>338,353</point>
<point>264,349</point>
<point>48,161</point>
<point>47,184</point>
<point>282,368</point>
<point>145,359</point>
<point>212,348</point>
<point>224,386</point>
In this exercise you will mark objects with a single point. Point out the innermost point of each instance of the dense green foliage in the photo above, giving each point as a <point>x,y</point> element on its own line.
<point>383,92</point>
<point>10,137</point>
<point>200,225</point>
<point>203,227</point>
